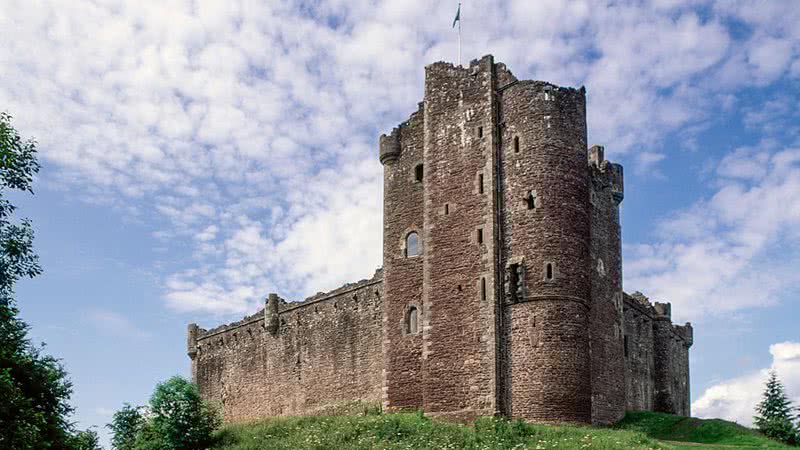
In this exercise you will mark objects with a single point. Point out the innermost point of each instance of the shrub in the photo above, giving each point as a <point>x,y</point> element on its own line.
<point>181,417</point>
<point>125,426</point>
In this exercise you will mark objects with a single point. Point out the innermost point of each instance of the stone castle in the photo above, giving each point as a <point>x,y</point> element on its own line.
<point>501,287</point>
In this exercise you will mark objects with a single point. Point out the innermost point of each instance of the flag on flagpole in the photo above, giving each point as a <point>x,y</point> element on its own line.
<point>458,16</point>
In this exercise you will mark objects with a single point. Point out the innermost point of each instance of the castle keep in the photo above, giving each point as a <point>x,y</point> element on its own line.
<point>501,287</point>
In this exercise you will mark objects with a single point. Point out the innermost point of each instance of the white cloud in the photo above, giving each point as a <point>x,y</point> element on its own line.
<point>736,399</point>
<point>727,252</point>
<point>254,124</point>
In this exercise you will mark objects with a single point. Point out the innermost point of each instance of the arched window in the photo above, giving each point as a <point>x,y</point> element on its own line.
<point>412,244</point>
<point>412,320</point>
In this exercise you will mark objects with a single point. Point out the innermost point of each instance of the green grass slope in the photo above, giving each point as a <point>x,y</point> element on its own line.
<point>688,432</point>
<point>414,431</point>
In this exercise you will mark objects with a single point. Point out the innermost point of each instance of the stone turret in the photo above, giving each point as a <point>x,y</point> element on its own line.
<point>271,319</point>
<point>191,347</point>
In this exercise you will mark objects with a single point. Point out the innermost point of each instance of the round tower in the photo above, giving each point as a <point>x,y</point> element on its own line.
<point>545,252</point>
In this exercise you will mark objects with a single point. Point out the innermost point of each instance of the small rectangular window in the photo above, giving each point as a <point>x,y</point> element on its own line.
<point>483,289</point>
<point>480,235</point>
<point>516,144</point>
<point>625,339</point>
<point>418,173</point>
<point>480,183</point>
<point>446,209</point>
<point>480,132</point>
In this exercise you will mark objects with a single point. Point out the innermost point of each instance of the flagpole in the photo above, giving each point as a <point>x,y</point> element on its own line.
<point>459,35</point>
<point>459,39</point>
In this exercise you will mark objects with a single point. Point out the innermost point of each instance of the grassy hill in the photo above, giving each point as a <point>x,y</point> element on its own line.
<point>415,431</point>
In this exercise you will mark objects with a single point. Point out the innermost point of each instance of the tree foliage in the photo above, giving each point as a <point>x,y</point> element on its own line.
<point>125,425</point>
<point>774,415</point>
<point>18,166</point>
<point>34,387</point>
<point>177,418</point>
<point>86,440</point>
<point>181,416</point>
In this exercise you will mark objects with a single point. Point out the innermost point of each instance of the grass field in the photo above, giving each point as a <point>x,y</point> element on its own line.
<point>415,431</point>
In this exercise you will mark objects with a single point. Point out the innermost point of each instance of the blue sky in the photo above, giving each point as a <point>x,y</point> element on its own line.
<point>198,155</point>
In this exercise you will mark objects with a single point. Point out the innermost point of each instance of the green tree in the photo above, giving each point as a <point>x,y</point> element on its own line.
<point>774,415</point>
<point>18,166</point>
<point>125,425</point>
<point>86,440</point>
<point>33,385</point>
<point>181,416</point>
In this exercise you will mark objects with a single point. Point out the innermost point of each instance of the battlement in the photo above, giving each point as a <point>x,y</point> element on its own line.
<point>659,311</point>
<point>265,314</point>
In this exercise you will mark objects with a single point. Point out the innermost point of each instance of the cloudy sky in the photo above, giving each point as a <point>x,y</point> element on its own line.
<point>200,154</point>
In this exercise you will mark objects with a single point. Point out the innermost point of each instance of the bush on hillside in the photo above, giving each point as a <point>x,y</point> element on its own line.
<point>177,418</point>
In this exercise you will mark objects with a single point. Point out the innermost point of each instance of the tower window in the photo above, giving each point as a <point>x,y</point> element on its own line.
<point>480,236</point>
<point>625,340</point>
<point>530,200</point>
<point>412,321</point>
<point>516,144</point>
<point>446,209</point>
<point>412,244</point>
<point>548,271</point>
<point>480,132</point>
<point>547,121</point>
<point>483,289</point>
<point>480,183</point>
<point>514,284</point>
<point>418,173</point>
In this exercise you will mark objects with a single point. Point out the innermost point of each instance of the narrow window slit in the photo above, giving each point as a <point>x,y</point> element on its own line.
<point>480,235</point>
<point>516,144</point>
<point>480,132</point>
<point>480,183</point>
<point>412,320</point>
<point>530,200</point>
<point>418,173</point>
<point>549,271</point>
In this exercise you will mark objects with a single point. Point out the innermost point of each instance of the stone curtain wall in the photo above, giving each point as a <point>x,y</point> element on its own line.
<point>639,363</point>
<point>326,351</point>
<point>657,358</point>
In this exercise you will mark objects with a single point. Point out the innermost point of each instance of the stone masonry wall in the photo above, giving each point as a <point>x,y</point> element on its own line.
<point>605,320</point>
<point>638,354</point>
<point>326,351</point>
<point>401,154</point>
<point>459,346</point>
<point>656,357</point>
<point>546,223</point>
